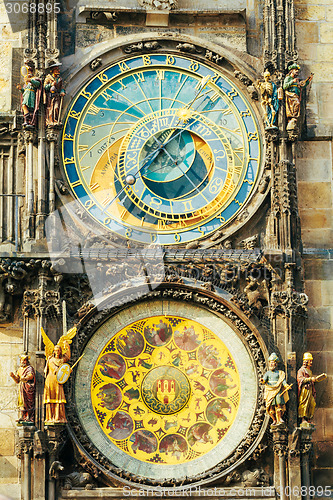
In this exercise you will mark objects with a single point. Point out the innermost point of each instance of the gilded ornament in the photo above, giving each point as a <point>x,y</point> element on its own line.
<point>276,391</point>
<point>26,378</point>
<point>56,357</point>
<point>306,390</point>
<point>293,88</point>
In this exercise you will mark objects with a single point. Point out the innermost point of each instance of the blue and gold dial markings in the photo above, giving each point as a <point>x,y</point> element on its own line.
<point>181,132</point>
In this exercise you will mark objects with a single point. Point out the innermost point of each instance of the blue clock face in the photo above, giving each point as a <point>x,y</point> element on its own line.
<point>161,148</point>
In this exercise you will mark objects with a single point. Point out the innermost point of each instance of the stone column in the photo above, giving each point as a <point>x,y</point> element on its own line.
<point>294,456</point>
<point>40,450</point>
<point>29,138</point>
<point>52,137</point>
<point>306,447</point>
<point>24,454</point>
<point>280,448</point>
<point>41,178</point>
<point>10,190</point>
<point>36,303</point>
<point>55,436</point>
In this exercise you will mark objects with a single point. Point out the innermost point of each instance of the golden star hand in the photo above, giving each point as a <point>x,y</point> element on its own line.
<point>286,389</point>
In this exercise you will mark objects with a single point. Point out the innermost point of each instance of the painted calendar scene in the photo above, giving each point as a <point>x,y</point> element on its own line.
<point>165,390</point>
<point>112,365</point>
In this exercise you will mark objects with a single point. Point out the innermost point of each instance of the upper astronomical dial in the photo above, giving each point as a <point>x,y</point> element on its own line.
<point>161,147</point>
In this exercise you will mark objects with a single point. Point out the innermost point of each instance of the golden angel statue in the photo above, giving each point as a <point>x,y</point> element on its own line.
<point>56,357</point>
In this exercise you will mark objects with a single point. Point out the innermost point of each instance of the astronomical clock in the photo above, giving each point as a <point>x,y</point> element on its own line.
<point>165,149</point>
<point>168,395</point>
<point>149,209</point>
<point>161,148</point>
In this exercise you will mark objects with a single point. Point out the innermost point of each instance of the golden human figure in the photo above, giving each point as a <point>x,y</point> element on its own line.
<point>26,378</point>
<point>55,93</point>
<point>276,391</point>
<point>306,390</point>
<point>293,87</point>
<point>54,395</point>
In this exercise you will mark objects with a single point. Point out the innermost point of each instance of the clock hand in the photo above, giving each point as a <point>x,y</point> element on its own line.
<point>188,106</point>
<point>165,150</point>
<point>153,154</point>
<point>187,177</point>
<point>180,168</point>
<point>130,179</point>
<point>151,157</point>
<point>114,199</point>
<point>171,137</point>
<point>200,86</point>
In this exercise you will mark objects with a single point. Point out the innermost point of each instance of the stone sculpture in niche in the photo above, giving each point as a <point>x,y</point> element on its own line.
<point>269,100</point>
<point>306,390</point>
<point>293,87</point>
<point>78,479</point>
<point>276,390</point>
<point>54,395</point>
<point>31,92</point>
<point>26,378</point>
<point>55,93</point>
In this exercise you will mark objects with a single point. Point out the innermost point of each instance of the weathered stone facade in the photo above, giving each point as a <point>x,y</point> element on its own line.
<point>314,175</point>
<point>288,221</point>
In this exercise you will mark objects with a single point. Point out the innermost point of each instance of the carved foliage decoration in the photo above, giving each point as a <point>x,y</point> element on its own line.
<point>36,300</point>
<point>280,442</point>
<point>289,302</point>
<point>34,280</point>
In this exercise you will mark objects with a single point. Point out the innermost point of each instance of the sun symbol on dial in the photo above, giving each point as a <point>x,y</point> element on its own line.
<point>184,114</point>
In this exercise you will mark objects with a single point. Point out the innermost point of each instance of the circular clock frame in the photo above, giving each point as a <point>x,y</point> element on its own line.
<point>208,472</point>
<point>197,222</point>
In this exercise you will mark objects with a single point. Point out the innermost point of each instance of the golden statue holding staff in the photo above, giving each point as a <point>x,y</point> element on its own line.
<point>56,356</point>
<point>276,390</point>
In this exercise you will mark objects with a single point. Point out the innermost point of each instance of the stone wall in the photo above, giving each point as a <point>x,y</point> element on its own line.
<point>227,29</point>
<point>314,174</point>
<point>314,23</point>
<point>11,347</point>
<point>319,287</point>
<point>12,37</point>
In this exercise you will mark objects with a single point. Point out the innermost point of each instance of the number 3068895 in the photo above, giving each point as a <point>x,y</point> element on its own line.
<point>32,8</point>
